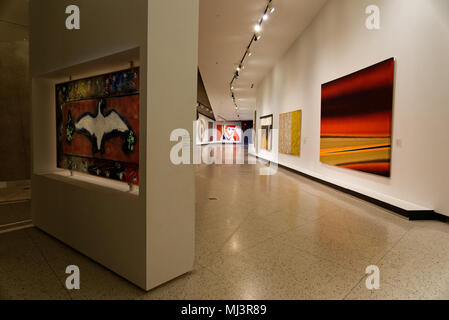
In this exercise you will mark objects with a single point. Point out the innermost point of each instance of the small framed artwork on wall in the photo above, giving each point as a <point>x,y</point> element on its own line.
<point>266,130</point>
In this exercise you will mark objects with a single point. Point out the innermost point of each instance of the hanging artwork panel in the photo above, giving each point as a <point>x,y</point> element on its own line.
<point>219,132</point>
<point>97,121</point>
<point>290,133</point>
<point>231,133</point>
<point>211,131</point>
<point>356,120</point>
<point>202,130</point>
<point>266,128</point>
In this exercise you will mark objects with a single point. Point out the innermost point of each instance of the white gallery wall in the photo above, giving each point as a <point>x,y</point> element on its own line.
<point>337,43</point>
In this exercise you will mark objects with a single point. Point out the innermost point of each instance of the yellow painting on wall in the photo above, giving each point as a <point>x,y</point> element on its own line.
<point>290,133</point>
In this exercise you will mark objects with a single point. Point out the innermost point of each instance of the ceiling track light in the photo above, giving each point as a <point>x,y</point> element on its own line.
<point>269,9</point>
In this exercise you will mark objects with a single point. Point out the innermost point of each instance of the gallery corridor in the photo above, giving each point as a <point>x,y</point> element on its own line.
<point>257,237</point>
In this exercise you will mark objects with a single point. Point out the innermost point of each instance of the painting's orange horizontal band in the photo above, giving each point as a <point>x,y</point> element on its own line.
<point>357,152</point>
<point>372,124</point>
<point>342,150</point>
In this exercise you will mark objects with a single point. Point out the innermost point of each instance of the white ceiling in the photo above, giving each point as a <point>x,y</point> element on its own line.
<point>226,27</point>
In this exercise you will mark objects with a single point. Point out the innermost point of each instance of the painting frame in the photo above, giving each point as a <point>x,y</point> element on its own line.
<point>290,127</point>
<point>266,132</point>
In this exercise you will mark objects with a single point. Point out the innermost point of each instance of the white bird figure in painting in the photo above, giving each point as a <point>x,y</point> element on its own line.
<point>99,126</point>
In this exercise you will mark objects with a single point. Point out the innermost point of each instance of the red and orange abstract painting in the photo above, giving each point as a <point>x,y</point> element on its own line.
<point>356,120</point>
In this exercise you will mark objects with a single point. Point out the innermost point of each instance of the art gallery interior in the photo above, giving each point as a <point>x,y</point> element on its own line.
<point>224,149</point>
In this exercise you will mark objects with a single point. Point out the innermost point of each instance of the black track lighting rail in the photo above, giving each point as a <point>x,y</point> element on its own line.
<point>255,37</point>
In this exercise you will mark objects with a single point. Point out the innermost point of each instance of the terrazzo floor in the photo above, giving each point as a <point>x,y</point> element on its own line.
<point>264,237</point>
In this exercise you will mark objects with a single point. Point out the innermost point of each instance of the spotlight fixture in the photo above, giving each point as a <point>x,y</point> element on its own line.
<point>257,28</point>
<point>265,17</point>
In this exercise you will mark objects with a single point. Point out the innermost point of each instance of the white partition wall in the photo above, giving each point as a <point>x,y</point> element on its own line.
<point>172,89</point>
<point>142,235</point>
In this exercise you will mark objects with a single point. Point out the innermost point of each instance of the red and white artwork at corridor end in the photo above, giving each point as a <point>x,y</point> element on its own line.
<point>231,133</point>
